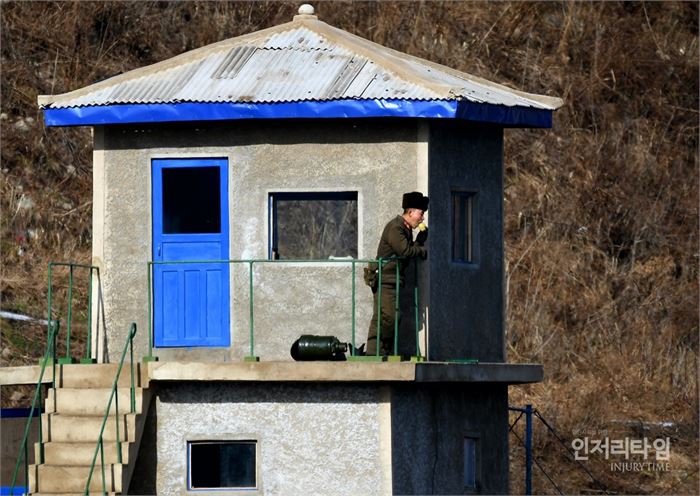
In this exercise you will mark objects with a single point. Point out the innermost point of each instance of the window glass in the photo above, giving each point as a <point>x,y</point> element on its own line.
<point>222,464</point>
<point>463,226</point>
<point>191,200</point>
<point>470,463</point>
<point>313,226</point>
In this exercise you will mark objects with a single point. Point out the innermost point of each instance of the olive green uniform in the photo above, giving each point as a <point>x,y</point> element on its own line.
<point>396,241</point>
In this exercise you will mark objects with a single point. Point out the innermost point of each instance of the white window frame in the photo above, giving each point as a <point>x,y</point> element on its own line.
<point>246,489</point>
<point>269,196</point>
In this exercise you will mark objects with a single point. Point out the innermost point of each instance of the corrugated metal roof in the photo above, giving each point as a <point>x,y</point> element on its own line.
<point>299,61</point>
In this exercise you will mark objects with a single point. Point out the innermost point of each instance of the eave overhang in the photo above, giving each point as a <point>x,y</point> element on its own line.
<point>337,109</point>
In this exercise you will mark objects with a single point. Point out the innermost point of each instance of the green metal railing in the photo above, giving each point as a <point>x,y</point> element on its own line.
<point>99,449</point>
<point>69,317</point>
<point>23,455</point>
<point>51,357</point>
<point>251,320</point>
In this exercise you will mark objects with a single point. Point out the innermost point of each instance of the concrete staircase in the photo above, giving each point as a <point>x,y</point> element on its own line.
<point>71,428</point>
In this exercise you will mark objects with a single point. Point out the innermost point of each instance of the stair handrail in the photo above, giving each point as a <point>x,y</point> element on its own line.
<point>49,355</point>
<point>99,448</point>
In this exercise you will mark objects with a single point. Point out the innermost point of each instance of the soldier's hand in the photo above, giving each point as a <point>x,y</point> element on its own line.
<point>422,237</point>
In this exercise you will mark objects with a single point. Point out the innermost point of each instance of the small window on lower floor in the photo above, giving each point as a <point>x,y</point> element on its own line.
<point>222,464</point>
<point>313,226</point>
<point>470,463</point>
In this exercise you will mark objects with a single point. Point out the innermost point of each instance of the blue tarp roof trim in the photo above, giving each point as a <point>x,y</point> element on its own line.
<point>179,112</point>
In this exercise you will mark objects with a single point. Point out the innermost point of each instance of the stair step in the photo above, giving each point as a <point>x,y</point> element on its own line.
<point>81,454</point>
<point>98,375</point>
<point>73,418</point>
<point>72,479</point>
<point>77,401</point>
<point>82,429</point>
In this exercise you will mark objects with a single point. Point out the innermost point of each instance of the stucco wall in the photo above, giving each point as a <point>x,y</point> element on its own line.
<point>377,158</point>
<point>313,438</point>
<point>332,438</point>
<point>467,300</point>
<point>429,424</point>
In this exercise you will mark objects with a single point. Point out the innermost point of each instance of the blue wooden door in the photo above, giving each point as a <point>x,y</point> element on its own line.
<point>190,223</point>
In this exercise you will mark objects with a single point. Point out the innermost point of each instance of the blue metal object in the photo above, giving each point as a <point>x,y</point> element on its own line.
<point>7,490</point>
<point>328,109</point>
<point>191,302</point>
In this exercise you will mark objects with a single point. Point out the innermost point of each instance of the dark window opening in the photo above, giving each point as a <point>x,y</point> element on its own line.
<point>191,200</point>
<point>463,226</point>
<point>226,464</point>
<point>313,226</point>
<point>470,453</point>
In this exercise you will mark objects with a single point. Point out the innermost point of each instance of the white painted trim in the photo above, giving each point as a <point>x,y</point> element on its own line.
<point>225,437</point>
<point>385,437</point>
<point>422,165</point>
<point>98,219</point>
<point>332,189</point>
<point>178,154</point>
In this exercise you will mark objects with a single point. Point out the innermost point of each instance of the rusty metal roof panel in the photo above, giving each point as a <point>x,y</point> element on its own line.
<point>298,61</point>
<point>292,75</point>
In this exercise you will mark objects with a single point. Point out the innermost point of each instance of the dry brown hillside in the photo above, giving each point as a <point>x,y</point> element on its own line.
<point>601,210</point>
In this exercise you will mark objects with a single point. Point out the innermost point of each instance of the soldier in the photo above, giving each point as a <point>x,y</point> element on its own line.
<point>396,241</point>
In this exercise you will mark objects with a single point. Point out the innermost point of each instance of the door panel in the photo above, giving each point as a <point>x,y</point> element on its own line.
<point>190,224</point>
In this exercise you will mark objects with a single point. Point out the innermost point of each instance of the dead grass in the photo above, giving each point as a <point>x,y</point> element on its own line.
<point>601,211</point>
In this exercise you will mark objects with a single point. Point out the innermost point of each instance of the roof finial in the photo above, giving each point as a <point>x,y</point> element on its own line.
<point>306,11</point>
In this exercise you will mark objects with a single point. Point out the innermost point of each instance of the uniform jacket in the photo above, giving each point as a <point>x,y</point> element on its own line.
<point>397,241</point>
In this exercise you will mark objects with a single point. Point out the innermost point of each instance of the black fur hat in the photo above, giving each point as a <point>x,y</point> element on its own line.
<point>415,199</point>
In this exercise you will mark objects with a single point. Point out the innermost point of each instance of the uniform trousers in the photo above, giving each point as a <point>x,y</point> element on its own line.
<point>386,345</point>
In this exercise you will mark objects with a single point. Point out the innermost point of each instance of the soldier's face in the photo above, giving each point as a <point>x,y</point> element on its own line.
<point>414,217</point>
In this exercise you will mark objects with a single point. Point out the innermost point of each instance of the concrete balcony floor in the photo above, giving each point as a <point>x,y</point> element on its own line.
<point>319,371</point>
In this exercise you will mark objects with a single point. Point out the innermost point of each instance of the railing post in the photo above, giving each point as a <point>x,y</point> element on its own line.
<point>150,357</point>
<point>528,449</point>
<point>56,326</point>
<point>68,358</point>
<point>132,332</point>
<point>49,298</point>
<point>397,310</point>
<point>352,350</point>
<point>116,418</point>
<point>88,347</point>
<point>102,458</point>
<point>26,467</point>
<point>379,308</point>
<point>418,357</point>
<point>150,310</point>
<point>251,357</point>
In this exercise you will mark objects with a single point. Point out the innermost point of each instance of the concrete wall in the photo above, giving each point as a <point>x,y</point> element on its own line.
<point>312,438</point>
<point>379,159</point>
<point>332,438</point>
<point>467,300</point>
<point>429,424</point>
